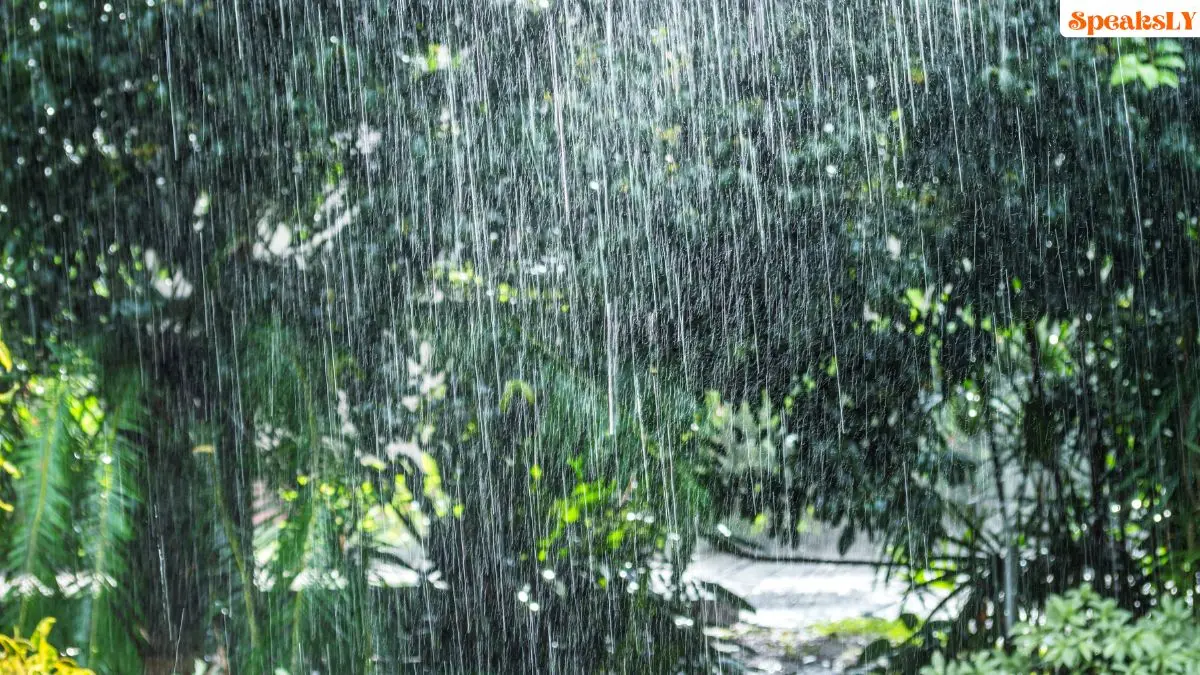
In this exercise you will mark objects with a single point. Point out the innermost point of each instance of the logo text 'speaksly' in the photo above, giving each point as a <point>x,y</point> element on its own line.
<point>1129,18</point>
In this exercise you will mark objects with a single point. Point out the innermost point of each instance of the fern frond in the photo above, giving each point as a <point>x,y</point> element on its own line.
<point>42,512</point>
<point>295,554</point>
<point>107,610</point>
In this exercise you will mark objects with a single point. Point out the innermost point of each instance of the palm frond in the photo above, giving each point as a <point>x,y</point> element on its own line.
<point>293,559</point>
<point>107,610</point>
<point>43,507</point>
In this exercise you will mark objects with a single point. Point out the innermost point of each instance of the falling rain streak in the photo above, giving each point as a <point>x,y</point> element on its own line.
<point>595,336</point>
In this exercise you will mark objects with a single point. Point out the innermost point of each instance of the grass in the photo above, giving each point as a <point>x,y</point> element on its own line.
<point>871,627</point>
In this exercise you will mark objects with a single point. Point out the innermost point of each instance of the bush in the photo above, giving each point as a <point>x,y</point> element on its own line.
<point>1083,632</point>
<point>19,656</point>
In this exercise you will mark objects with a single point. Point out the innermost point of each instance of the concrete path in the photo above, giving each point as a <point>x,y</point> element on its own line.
<point>795,603</point>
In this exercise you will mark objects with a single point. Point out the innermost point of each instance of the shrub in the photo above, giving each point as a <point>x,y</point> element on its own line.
<point>1083,632</point>
<point>19,656</point>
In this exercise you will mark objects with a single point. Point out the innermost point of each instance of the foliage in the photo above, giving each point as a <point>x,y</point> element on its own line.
<point>1152,65</point>
<point>295,484</point>
<point>35,655</point>
<point>1037,414</point>
<point>339,336</point>
<point>74,492</point>
<point>1084,632</point>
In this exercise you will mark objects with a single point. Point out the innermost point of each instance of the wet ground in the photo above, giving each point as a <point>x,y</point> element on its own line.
<point>796,604</point>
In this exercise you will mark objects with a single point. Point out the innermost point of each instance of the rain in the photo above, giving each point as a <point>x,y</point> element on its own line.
<point>597,336</point>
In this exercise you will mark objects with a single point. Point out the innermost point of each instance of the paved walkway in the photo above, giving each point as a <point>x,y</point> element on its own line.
<point>790,599</point>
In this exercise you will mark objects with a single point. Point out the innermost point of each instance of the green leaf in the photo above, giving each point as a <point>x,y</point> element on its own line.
<point>1171,61</point>
<point>1126,70</point>
<point>513,387</point>
<point>875,650</point>
<point>845,540</point>
<point>1149,75</point>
